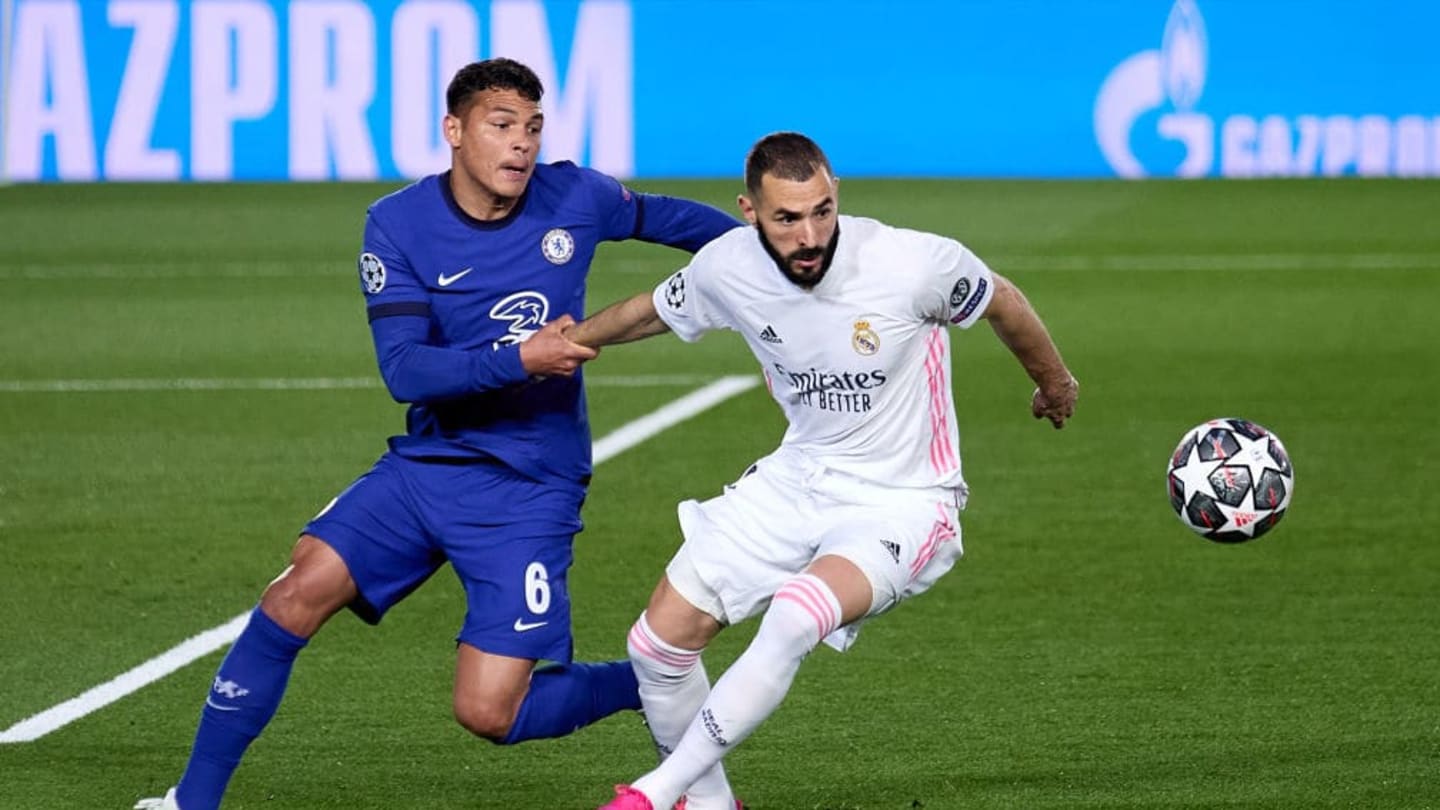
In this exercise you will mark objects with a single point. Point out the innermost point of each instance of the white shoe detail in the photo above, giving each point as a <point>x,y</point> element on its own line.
<point>167,803</point>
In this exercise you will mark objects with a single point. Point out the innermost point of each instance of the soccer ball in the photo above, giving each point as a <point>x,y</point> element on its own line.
<point>1230,480</point>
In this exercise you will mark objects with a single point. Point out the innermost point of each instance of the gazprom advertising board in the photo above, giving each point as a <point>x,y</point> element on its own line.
<point>349,89</point>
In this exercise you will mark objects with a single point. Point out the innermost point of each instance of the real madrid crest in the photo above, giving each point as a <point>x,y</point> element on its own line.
<point>557,245</point>
<point>865,341</point>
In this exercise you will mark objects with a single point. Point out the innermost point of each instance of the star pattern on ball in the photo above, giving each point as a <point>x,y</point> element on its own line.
<point>1250,469</point>
<point>1254,455</point>
<point>1194,474</point>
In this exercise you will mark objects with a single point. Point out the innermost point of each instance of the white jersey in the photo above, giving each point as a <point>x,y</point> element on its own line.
<point>860,363</point>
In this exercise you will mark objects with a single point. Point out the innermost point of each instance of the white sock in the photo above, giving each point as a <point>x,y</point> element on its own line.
<point>804,611</point>
<point>673,685</point>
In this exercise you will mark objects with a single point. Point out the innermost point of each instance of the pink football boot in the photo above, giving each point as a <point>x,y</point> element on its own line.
<point>628,798</point>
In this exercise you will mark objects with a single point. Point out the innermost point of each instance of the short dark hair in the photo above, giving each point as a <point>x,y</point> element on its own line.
<point>786,155</point>
<point>491,74</point>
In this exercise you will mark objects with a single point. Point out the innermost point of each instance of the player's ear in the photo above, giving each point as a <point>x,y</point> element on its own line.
<point>451,127</point>
<point>747,208</point>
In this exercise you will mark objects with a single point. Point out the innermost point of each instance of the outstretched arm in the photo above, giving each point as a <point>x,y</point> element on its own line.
<point>416,371</point>
<point>1021,330</point>
<point>621,322</point>
<point>679,223</point>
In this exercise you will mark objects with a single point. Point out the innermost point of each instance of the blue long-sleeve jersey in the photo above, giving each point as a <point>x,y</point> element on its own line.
<point>450,298</point>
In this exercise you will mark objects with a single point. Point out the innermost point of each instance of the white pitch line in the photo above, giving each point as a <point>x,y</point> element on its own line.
<point>622,439</point>
<point>37,726</point>
<point>123,385</point>
<point>627,436</point>
<point>198,269</point>
<point>1032,261</point>
<point>1218,261</point>
<point>186,384</point>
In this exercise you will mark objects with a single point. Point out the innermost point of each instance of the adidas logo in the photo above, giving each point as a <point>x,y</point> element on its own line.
<point>768,335</point>
<point>893,548</point>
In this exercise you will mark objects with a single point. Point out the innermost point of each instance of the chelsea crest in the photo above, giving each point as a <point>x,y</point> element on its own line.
<point>557,245</point>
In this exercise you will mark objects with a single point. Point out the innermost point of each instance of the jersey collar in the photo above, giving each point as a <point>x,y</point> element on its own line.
<point>482,224</point>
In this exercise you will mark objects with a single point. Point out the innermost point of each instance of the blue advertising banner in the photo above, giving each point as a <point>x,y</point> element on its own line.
<point>353,89</point>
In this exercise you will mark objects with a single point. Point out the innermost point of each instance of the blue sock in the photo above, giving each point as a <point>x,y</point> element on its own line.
<point>567,697</point>
<point>247,691</point>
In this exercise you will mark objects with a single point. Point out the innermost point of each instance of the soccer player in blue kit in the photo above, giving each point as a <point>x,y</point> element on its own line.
<point>469,278</point>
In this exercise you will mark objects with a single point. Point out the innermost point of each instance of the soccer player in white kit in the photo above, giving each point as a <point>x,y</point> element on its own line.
<point>858,509</point>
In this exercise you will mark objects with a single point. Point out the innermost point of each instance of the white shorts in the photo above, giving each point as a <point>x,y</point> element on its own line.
<point>785,512</point>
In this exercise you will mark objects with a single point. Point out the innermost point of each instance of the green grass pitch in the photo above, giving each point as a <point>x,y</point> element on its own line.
<point>1089,652</point>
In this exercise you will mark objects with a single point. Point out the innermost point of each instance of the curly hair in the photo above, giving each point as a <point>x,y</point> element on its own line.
<point>491,74</point>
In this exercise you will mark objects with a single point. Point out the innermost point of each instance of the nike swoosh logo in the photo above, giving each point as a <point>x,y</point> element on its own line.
<point>212,704</point>
<point>521,625</point>
<point>446,281</point>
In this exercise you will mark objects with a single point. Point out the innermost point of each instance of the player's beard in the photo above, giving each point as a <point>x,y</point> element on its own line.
<point>783,262</point>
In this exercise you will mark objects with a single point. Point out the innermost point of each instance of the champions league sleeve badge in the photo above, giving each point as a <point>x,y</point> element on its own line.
<point>372,273</point>
<point>558,245</point>
<point>959,293</point>
<point>675,290</point>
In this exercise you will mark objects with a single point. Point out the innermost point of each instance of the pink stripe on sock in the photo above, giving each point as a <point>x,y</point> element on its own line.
<point>804,600</point>
<point>641,641</point>
<point>790,596</point>
<point>813,597</point>
<point>820,593</point>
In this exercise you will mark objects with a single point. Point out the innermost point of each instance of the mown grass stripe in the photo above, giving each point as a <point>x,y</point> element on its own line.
<point>198,646</point>
<point>122,385</point>
<point>1173,262</point>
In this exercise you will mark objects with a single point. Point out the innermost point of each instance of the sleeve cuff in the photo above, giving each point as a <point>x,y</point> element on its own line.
<point>505,365</point>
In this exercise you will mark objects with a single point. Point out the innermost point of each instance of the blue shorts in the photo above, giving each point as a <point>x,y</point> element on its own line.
<point>507,536</point>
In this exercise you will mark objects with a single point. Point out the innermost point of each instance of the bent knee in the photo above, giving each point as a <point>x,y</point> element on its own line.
<point>310,591</point>
<point>486,719</point>
<point>293,610</point>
